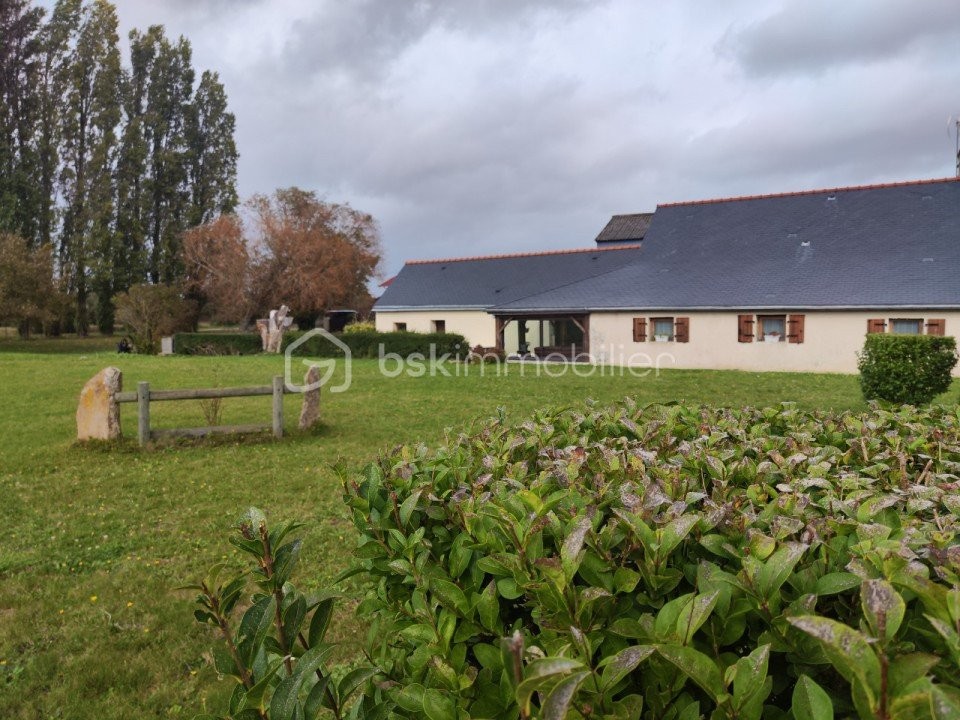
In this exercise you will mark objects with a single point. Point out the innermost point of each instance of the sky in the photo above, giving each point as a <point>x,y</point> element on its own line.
<point>473,127</point>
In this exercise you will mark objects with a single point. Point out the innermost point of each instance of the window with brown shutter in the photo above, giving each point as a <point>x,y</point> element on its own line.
<point>936,327</point>
<point>745,328</point>
<point>681,329</point>
<point>795,328</point>
<point>640,329</point>
<point>876,325</point>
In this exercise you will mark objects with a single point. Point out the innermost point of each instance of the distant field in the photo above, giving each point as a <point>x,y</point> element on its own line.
<point>96,539</point>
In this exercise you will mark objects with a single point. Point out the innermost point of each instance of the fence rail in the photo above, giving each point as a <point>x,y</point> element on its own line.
<point>144,396</point>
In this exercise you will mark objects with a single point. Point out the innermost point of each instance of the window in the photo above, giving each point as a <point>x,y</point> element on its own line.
<point>772,328</point>
<point>906,326</point>
<point>661,329</point>
<point>439,326</point>
<point>399,327</point>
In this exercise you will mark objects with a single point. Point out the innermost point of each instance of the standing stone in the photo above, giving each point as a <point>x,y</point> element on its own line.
<point>98,413</point>
<point>310,412</point>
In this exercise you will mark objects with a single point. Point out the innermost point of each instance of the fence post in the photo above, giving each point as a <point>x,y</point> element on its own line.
<point>278,406</point>
<point>143,413</point>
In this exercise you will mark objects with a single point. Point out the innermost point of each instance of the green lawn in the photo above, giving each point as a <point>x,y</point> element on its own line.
<point>96,539</point>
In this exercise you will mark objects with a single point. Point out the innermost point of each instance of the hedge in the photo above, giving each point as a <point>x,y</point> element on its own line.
<point>217,344</point>
<point>362,344</point>
<point>666,562</point>
<point>906,368</point>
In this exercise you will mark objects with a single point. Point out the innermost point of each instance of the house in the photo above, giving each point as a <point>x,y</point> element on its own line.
<point>457,295</point>
<point>792,281</point>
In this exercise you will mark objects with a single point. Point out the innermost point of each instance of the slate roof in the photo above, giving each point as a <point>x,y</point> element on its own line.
<point>625,228</point>
<point>881,246</point>
<point>482,282</point>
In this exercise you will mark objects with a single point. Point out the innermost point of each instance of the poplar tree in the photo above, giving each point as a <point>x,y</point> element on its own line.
<point>211,153</point>
<point>20,59</point>
<point>168,99</point>
<point>91,115</point>
<point>58,38</point>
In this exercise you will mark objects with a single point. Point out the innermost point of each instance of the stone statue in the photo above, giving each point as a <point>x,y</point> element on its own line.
<point>271,329</point>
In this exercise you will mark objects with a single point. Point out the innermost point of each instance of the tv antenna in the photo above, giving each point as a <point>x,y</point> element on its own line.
<point>955,122</point>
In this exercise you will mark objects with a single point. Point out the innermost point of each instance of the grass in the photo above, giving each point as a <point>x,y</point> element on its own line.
<point>96,539</point>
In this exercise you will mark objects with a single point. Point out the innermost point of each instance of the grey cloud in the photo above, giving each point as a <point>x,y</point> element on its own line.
<point>360,38</point>
<point>812,36</point>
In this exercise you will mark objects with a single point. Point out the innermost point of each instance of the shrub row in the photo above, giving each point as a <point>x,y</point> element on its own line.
<point>667,562</point>
<point>906,368</point>
<point>217,344</point>
<point>362,344</point>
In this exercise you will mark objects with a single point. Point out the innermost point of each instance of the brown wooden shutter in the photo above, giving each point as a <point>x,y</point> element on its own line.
<point>639,329</point>
<point>877,325</point>
<point>681,329</point>
<point>745,328</point>
<point>936,327</point>
<point>795,328</point>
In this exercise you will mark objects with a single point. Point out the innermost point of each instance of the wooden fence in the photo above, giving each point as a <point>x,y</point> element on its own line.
<point>144,396</point>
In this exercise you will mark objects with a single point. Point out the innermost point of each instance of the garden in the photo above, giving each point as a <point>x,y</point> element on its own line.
<point>731,536</point>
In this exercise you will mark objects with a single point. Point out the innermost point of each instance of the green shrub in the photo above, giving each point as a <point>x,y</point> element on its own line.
<point>360,326</point>
<point>366,344</point>
<point>276,651</point>
<point>667,562</point>
<point>910,369</point>
<point>362,344</point>
<point>149,312</point>
<point>217,343</point>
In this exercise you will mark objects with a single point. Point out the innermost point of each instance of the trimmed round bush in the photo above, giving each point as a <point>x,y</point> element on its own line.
<point>910,369</point>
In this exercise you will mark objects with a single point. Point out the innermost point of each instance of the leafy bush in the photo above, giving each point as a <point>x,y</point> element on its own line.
<point>148,312</point>
<point>277,653</point>
<point>362,344</point>
<point>668,562</point>
<point>906,368</point>
<point>360,326</point>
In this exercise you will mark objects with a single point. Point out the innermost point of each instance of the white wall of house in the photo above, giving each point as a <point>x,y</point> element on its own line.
<point>477,326</point>
<point>831,341</point>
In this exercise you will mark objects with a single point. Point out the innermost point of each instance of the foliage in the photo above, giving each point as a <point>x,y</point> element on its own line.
<point>128,526</point>
<point>312,255</point>
<point>148,312</point>
<point>669,562</point>
<point>107,164</point>
<point>217,263</point>
<point>277,652</point>
<point>360,326</point>
<point>906,368</point>
<point>362,344</point>
<point>20,52</point>
<point>371,344</point>
<point>195,343</point>
<point>89,114</point>
<point>27,292</point>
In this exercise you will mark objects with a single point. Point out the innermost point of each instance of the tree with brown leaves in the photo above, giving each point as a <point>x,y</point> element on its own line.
<point>217,268</point>
<point>312,255</point>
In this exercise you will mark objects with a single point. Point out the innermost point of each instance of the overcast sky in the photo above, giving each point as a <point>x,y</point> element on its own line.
<point>482,126</point>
